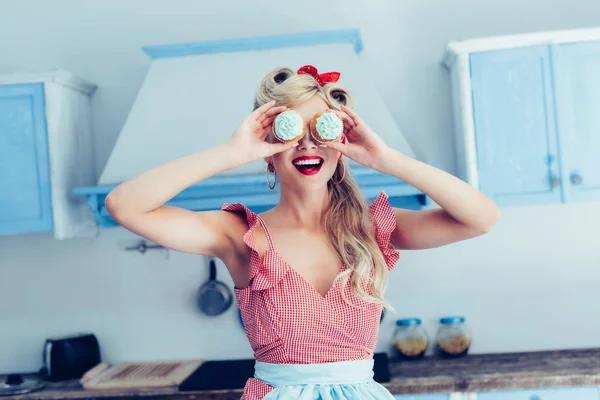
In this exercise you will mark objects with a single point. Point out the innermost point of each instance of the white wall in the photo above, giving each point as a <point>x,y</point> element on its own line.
<point>528,285</point>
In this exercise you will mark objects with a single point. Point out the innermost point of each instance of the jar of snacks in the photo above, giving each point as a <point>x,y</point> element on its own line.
<point>410,339</point>
<point>453,338</point>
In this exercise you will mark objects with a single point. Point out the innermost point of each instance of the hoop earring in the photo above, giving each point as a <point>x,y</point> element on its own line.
<point>343,174</point>
<point>271,169</point>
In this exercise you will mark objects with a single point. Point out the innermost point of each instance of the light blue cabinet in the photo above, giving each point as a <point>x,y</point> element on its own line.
<point>526,119</point>
<point>515,134</point>
<point>25,204</point>
<point>45,151</point>
<point>578,105</point>
<point>422,397</point>
<point>580,393</point>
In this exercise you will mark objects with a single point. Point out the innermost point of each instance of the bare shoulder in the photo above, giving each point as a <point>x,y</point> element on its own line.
<point>234,226</point>
<point>236,255</point>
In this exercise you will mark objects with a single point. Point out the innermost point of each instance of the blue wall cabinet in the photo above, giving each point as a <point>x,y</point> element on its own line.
<point>514,124</point>
<point>45,149</point>
<point>578,393</point>
<point>525,116</point>
<point>25,204</point>
<point>578,105</point>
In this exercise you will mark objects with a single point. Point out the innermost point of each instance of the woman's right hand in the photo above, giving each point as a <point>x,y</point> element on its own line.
<point>248,139</point>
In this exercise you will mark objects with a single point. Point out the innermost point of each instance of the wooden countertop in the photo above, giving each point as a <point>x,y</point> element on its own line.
<point>474,373</point>
<point>494,372</point>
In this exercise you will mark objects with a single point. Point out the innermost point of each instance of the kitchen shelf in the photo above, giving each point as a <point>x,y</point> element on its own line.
<point>252,191</point>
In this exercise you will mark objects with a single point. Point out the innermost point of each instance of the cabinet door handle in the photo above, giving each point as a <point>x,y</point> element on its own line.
<point>576,179</point>
<point>554,182</point>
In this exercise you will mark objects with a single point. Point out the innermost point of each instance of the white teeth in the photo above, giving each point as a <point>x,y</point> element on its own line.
<point>307,162</point>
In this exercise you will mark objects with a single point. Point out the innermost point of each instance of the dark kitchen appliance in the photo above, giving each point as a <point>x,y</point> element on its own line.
<point>69,357</point>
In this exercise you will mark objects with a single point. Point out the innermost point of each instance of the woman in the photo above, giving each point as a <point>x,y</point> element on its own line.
<point>309,274</point>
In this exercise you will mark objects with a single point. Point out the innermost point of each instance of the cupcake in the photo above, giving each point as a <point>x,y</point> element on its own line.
<point>289,127</point>
<point>326,126</point>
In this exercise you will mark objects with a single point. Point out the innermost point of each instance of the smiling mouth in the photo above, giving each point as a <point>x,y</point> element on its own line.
<point>308,165</point>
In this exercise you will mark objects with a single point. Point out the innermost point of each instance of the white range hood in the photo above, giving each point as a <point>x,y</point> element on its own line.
<point>195,95</point>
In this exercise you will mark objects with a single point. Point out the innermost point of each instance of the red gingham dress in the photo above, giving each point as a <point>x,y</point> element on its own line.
<point>288,322</point>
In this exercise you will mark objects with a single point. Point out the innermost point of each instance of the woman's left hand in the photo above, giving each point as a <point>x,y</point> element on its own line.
<point>362,145</point>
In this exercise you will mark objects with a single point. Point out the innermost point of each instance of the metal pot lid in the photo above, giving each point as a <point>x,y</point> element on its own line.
<point>15,384</point>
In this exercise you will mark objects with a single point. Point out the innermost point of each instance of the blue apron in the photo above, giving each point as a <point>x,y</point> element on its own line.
<point>346,380</point>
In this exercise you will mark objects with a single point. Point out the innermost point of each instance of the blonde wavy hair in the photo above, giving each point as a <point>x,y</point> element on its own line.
<point>346,218</point>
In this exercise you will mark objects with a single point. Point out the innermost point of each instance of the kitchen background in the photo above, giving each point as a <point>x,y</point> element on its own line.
<point>530,284</point>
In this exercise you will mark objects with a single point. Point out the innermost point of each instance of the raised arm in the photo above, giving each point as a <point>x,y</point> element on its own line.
<point>138,204</point>
<point>465,212</point>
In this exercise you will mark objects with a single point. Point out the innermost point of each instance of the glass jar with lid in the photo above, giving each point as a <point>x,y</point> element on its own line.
<point>453,338</point>
<point>410,339</point>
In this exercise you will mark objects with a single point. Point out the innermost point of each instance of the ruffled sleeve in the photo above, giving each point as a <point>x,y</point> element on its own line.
<point>262,273</point>
<point>384,223</point>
